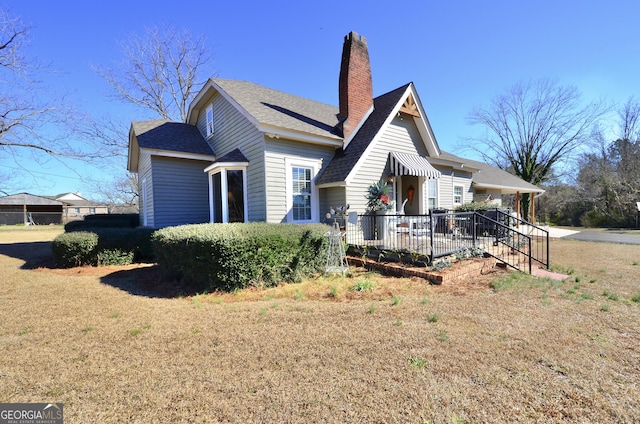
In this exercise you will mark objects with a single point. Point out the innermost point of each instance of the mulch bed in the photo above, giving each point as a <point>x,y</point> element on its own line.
<point>460,270</point>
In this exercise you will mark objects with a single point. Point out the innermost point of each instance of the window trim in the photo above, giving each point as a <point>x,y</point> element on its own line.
<point>209,122</point>
<point>291,163</point>
<point>461,187</point>
<point>436,197</point>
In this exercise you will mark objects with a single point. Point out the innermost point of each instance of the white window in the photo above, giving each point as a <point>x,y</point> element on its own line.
<point>209,113</point>
<point>432,194</point>
<point>301,179</point>
<point>302,196</point>
<point>458,198</point>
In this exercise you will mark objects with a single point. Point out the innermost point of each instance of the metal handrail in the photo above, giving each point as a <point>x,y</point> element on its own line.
<point>440,234</point>
<point>541,257</point>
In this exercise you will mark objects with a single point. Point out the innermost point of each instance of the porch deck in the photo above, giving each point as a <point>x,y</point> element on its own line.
<point>440,234</point>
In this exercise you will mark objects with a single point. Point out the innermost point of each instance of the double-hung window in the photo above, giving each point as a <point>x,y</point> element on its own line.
<point>458,195</point>
<point>302,197</point>
<point>432,194</point>
<point>301,191</point>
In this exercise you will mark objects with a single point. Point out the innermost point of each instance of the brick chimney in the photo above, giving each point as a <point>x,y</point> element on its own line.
<point>355,86</point>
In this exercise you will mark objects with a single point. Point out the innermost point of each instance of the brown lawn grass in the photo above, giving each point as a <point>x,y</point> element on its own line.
<point>528,351</point>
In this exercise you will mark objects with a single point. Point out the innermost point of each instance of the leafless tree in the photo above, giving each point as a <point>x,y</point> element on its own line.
<point>109,136</point>
<point>609,176</point>
<point>160,71</point>
<point>121,193</point>
<point>32,120</point>
<point>629,120</point>
<point>533,127</point>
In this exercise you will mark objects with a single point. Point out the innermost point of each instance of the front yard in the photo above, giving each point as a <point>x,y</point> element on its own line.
<point>358,349</point>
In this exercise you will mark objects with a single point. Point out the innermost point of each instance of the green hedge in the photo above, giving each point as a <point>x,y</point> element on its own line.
<point>131,220</point>
<point>75,249</point>
<point>103,246</point>
<point>231,256</point>
<point>102,221</point>
<point>475,206</point>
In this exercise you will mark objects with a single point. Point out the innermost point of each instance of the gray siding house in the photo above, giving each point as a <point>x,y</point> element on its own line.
<point>250,153</point>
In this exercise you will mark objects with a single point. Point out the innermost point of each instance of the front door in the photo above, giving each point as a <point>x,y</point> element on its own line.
<point>410,191</point>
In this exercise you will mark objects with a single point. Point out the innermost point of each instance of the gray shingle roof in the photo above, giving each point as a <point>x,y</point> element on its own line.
<point>172,136</point>
<point>344,160</point>
<point>233,156</point>
<point>273,107</point>
<point>489,175</point>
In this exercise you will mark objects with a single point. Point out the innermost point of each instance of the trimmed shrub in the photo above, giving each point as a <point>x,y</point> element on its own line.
<point>107,246</point>
<point>130,220</point>
<point>115,257</point>
<point>475,206</point>
<point>75,249</point>
<point>232,256</point>
<point>98,221</point>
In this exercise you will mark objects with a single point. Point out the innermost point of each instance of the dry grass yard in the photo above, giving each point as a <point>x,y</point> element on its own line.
<point>364,349</point>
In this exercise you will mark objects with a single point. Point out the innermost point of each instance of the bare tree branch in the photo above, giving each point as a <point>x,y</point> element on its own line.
<point>160,71</point>
<point>609,176</point>
<point>533,127</point>
<point>13,35</point>
<point>34,122</point>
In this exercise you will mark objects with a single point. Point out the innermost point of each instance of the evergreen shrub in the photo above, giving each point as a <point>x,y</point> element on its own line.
<point>75,249</point>
<point>103,221</point>
<point>226,257</point>
<point>103,246</point>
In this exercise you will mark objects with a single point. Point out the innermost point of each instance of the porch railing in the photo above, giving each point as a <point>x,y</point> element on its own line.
<point>440,234</point>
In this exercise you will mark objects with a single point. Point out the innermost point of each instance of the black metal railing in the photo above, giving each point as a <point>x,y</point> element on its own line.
<point>444,233</point>
<point>539,251</point>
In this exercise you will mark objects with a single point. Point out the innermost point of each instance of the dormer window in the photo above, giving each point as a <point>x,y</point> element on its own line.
<point>209,120</point>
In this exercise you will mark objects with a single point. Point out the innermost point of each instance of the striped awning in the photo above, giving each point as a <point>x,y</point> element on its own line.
<point>409,164</point>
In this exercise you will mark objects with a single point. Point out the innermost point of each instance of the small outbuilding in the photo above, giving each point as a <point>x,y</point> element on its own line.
<point>29,209</point>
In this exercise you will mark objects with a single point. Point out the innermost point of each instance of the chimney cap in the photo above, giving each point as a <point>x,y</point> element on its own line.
<point>355,36</point>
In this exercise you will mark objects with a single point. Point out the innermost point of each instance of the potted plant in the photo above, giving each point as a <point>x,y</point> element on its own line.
<point>379,198</point>
<point>379,202</point>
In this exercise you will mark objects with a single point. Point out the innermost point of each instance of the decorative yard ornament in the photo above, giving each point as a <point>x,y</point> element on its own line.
<point>336,259</point>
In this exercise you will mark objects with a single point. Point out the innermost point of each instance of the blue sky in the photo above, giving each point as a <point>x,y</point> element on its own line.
<point>458,53</point>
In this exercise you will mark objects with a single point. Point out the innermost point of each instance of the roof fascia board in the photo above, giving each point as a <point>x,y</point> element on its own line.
<point>360,124</point>
<point>132,165</point>
<point>423,124</point>
<point>453,164</point>
<point>226,165</point>
<point>273,131</point>
<point>195,106</point>
<point>371,146</point>
<point>206,92</point>
<point>333,184</point>
<point>178,155</point>
<point>510,188</point>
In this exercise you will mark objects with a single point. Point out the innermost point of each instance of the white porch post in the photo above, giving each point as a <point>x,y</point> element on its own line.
<point>245,196</point>
<point>210,196</point>
<point>223,192</point>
